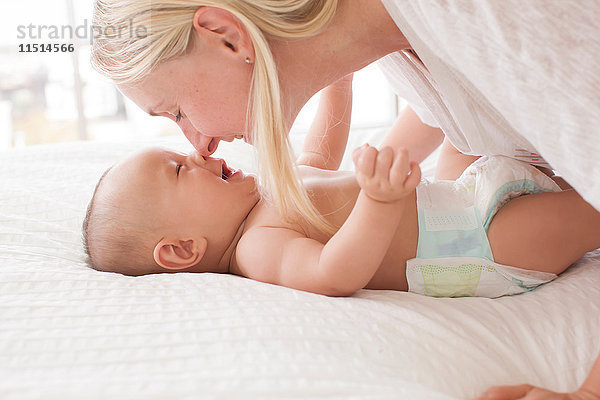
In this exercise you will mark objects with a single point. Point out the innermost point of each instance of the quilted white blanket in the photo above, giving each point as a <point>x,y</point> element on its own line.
<point>68,332</point>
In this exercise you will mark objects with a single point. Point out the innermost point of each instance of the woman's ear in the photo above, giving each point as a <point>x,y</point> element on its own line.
<point>223,23</point>
<point>179,254</point>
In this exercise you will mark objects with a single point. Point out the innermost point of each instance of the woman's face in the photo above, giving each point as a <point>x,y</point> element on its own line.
<point>205,91</point>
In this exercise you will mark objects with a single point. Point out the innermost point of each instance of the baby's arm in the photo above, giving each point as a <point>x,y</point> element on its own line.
<point>352,256</point>
<point>387,180</point>
<point>326,140</point>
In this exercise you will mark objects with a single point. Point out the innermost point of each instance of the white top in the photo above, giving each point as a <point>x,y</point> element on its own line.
<point>507,77</point>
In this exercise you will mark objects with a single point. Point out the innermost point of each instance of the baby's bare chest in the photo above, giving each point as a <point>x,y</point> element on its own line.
<point>332,194</point>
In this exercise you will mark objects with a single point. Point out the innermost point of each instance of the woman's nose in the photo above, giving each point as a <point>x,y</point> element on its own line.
<point>205,145</point>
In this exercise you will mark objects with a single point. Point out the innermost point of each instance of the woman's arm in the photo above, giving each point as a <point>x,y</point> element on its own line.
<point>591,386</point>
<point>590,390</point>
<point>421,140</point>
<point>411,133</point>
<point>326,140</point>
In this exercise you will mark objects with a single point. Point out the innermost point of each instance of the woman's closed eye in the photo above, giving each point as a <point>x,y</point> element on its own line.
<point>178,168</point>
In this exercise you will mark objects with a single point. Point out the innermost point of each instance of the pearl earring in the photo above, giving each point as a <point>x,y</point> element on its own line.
<point>247,60</point>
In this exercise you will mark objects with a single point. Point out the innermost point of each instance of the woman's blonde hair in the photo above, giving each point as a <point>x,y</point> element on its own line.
<point>137,35</point>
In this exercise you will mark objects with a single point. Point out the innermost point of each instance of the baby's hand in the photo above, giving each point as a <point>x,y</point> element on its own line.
<point>383,176</point>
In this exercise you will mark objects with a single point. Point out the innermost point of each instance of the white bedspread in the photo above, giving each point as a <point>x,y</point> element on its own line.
<point>68,332</point>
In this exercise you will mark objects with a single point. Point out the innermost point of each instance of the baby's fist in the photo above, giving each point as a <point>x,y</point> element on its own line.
<point>383,175</point>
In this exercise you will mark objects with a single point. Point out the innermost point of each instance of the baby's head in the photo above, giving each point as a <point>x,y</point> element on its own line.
<point>162,211</point>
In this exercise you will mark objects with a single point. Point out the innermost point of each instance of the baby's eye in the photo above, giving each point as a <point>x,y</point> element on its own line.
<point>178,168</point>
<point>178,117</point>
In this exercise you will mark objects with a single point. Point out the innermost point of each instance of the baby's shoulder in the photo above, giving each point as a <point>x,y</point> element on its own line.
<point>265,214</point>
<point>259,251</point>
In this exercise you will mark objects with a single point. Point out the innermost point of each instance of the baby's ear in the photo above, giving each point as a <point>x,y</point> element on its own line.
<point>177,254</point>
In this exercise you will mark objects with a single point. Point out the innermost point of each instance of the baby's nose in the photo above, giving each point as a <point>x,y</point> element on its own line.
<point>196,158</point>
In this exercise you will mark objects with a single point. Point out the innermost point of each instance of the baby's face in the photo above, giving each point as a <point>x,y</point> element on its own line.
<point>184,195</point>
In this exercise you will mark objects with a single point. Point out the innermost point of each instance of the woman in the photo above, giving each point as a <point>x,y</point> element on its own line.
<point>498,78</point>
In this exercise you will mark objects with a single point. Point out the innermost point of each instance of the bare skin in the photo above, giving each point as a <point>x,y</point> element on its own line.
<point>411,133</point>
<point>335,193</point>
<point>189,89</point>
<point>551,218</point>
<point>590,390</point>
<point>362,31</point>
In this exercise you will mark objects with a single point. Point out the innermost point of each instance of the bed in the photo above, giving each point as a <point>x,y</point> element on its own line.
<point>68,332</point>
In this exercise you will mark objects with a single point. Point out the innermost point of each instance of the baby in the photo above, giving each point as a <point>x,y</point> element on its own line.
<point>161,211</point>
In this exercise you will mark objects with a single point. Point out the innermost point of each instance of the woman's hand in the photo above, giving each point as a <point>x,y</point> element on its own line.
<point>589,390</point>
<point>529,392</point>
<point>383,176</point>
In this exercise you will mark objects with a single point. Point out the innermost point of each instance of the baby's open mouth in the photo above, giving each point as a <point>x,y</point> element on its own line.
<point>225,171</point>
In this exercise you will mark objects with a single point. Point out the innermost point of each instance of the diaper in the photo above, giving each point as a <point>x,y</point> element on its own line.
<point>454,257</point>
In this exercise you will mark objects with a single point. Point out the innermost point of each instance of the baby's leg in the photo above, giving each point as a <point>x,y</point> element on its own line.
<point>545,231</point>
<point>451,162</point>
